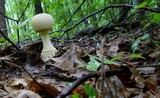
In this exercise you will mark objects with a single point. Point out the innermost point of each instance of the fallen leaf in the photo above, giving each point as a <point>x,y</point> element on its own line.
<point>16,83</point>
<point>146,70</point>
<point>70,58</point>
<point>155,54</point>
<point>45,88</point>
<point>22,94</point>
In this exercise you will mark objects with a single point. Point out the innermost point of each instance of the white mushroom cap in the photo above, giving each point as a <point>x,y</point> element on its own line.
<point>42,22</point>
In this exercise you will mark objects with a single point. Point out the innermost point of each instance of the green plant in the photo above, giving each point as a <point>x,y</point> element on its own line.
<point>133,55</point>
<point>136,43</point>
<point>135,46</point>
<point>90,91</point>
<point>93,64</point>
<point>96,62</point>
<point>76,96</point>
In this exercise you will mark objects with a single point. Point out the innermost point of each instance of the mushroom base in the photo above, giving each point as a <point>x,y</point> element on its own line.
<point>48,54</point>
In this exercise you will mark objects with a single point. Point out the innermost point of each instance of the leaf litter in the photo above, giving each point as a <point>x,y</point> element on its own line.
<point>24,72</point>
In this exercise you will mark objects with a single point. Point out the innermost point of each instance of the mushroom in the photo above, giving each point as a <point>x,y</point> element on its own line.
<point>42,23</point>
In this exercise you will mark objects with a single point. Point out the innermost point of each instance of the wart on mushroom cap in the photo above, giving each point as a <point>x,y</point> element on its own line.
<point>42,23</point>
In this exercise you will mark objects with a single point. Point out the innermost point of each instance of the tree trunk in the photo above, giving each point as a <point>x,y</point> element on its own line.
<point>2,18</point>
<point>38,7</point>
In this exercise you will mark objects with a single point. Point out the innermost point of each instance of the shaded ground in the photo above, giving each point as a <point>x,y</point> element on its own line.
<point>120,64</point>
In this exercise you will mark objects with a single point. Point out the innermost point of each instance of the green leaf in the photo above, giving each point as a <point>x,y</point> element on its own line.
<point>116,58</point>
<point>90,91</point>
<point>24,23</point>
<point>106,61</point>
<point>145,36</point>
<point>143,4</point>
<point>156,18</point>
<point>146,25</point>
<point>2,40</point>
<point>93,64</point>
<point>81,65</point>
<point>153,3</point>
<point>137,56</point>
<point>134,46</point>
<point>76,96</point>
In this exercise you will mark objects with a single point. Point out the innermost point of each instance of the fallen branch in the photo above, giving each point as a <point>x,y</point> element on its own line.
<point>84,78</point>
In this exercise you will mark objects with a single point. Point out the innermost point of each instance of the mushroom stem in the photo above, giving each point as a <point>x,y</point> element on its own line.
<point>46,41</point>
<point>48,50</point>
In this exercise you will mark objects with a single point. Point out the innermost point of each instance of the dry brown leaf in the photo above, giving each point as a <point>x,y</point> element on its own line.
<point>155,54</point>
<point>146,70</point>
<point>70,58</point>
<point>10,64</point>
<point>16,84</point>
<point>107,87</point>
<point>113,50</point>
<point>41,87</point>
<point>151,84</point>
<point>133,91</point>
<point>33,86</point>
<point>22,94</point>
<point>80,90</point>
<point>51,89</point>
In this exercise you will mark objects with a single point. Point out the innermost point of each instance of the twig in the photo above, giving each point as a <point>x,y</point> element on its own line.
<point>9,40</point>
<point>105,8</point>
<point>73,14</point>
<point>17,21</point>
<point>96,25</point>
<point>108,23</point>
<point>7,17</point>
<point>19,17</point>
<point>84,78</point>
<point>34,80</point>
<point>60,76</point>
<point>139,11</point>
<point>18,36</point>
<point>111,6</point>
<point>24,10</point>
<point>70,19</point>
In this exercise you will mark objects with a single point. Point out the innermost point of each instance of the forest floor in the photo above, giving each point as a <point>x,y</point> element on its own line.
<point>116,65</point>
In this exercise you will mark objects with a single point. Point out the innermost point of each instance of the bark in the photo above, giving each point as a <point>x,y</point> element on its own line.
<point>2,18</point>
<point>38,7</point>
